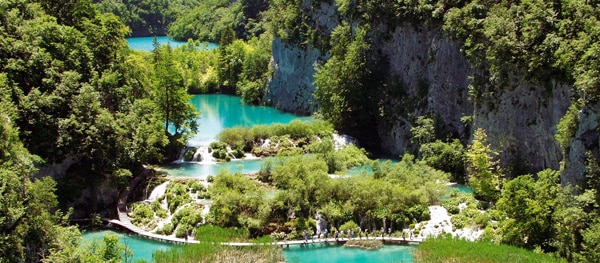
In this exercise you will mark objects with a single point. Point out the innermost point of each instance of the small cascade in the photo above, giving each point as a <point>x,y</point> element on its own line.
<point>203,155</point>
<point>181,155</point>
<point>158,191</point>
<point>341,140</point>
<point>230,153</point>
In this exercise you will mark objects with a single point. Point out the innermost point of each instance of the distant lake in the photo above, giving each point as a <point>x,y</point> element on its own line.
<point>145,43</point>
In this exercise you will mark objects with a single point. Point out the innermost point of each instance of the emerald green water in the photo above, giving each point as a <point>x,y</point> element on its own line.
<point>142,248</point>
<point>201,170</point>
<point>146,43</point>
<point>340,254</point>
<point>218,112</point>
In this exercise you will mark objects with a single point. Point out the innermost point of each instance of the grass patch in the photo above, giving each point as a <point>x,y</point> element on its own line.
<point>219,253</point>
<point>447,249</point>
<point>211,233</point>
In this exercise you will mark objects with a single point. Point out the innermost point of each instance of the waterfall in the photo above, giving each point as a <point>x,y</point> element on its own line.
<point>203,155</point>
<point>158,192</point>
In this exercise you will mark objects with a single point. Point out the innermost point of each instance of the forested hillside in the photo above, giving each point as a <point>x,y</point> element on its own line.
<point>503,95</point>
<point>80,102</point>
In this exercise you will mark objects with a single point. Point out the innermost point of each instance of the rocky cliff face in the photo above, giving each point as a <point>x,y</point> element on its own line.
<point>520,122</point>
<point>426,73</point>
<point>291,86</point>
<point>587,139</point>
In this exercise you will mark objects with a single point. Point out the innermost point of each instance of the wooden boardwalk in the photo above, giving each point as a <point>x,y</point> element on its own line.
<point>125,222</point>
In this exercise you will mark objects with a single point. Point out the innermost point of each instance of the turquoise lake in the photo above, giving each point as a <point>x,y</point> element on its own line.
<point>218,112</point>
<point>340,254</point>
<point>145,43</point>
<point>142,248</point>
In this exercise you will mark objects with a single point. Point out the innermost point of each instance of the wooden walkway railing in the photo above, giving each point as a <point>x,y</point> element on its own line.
<point>125,223</point>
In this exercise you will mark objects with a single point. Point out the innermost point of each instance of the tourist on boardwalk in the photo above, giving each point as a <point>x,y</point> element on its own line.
<point>359,233</point>
<point>367,233</point>
<point>336,234</point>
<point>186,235</point>
<point>382,232</point>
<point>312,236</point>
<point>305,236</point>
<point>389,232</point>
<point>411,234</point>
<point>342,234</point>
<point>326,234</point>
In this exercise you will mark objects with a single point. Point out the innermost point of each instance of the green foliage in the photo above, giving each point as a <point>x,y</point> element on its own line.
<point>190,215</point>
<point>482,168</point>
<point>171,96</point>
<point>350,225</point>
<point>527,206</point>
<point>28,229</point>
<point>567,127</point>
<point>441,249</point>
<point>211,252</point>
<point>238,202</point>
<point>166,229</point>
<point>423,131</point>
<point>343,84</point>
<point>280,135</point>
<point>445,156</point>
<point>147,17</point>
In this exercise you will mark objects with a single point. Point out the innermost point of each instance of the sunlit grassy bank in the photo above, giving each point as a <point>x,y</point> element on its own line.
<point>444,249</point>
<point>210,249</point>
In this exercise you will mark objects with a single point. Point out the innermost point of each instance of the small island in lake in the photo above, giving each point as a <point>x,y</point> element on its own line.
<point>365,244</point>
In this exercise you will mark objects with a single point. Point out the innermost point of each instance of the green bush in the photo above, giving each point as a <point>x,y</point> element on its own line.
<point>348,226</point>
<point>166,229</point>
<point>180,231</point>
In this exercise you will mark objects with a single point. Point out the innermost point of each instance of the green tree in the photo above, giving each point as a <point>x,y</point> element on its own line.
<point>171,96</point>
<point>482,168</point>
<point>423,131</point>
<point>445,156</point>
<point>343,84</point>
<point>528,206</point>
<point>26,224</point>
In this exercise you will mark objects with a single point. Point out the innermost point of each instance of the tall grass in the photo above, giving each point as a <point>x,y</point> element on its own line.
<point>447,249</point>
<point>217,234</point>
<point>211,250</point>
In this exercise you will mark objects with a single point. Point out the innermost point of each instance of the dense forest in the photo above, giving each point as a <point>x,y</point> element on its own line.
<point>82,115</point>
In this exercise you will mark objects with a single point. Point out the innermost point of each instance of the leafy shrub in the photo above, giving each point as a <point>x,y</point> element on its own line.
<point>181,229</point>
<point>348,226</point>
<point>210,178</point>
<point>166,229</point>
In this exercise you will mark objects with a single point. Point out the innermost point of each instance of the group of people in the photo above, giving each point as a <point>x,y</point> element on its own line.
<point>350,234</point>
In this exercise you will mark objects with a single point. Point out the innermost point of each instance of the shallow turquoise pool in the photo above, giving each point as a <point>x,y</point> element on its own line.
<point>335,253</point>
<point>146,43</point>
<point>142,248</point>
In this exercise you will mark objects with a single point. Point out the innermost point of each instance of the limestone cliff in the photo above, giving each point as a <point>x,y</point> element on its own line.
<point>587,139</point>
<point>294,64</point>
<point>520,122</point>
<point>291,86</point>
<point>425,72</point>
